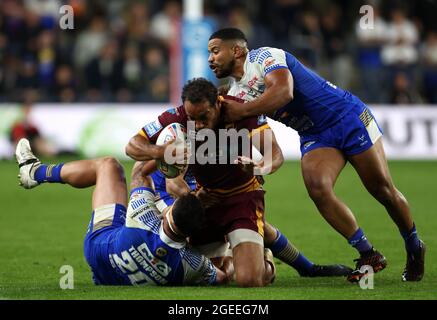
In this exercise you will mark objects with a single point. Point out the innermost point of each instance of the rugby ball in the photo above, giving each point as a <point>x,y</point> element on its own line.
<point>177,132</point>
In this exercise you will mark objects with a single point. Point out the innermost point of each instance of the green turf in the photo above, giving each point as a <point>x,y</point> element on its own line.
<point>43,229</point>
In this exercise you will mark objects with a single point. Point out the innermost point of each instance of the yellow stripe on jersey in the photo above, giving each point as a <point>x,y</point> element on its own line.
<point>142,133</point>
<point>259,129</point>
<point>259,222</point>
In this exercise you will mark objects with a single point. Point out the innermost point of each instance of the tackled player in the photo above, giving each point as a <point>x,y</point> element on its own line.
<point>240,215</point>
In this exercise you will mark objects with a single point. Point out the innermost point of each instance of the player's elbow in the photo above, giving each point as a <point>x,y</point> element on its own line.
<point>137,148</point>
<point>288,94</point>
<point>283,95</point>
<point>278,160</point>
<point>130,148</point>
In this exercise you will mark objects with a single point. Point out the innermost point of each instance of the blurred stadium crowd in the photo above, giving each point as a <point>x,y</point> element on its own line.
<point>118,50</point>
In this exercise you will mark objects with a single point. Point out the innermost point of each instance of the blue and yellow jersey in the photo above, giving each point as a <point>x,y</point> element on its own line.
<point>131,248</point>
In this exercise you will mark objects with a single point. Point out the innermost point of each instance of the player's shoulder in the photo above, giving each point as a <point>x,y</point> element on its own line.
<point>177,112</point>
<point>260,54</point>
<point>174,114</point>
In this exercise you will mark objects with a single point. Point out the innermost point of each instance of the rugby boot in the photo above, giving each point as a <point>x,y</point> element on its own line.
<point>333,270</point>
<point>27,163</point>
<point>372,258</point>
<point>415,267</point>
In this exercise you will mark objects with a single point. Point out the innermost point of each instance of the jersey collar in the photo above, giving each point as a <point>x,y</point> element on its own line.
<point>168,241</point>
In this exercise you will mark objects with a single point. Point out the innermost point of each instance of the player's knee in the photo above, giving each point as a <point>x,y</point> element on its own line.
<point>111,163</point>
<point>320,190</point>
<point>246,278</point>
<point>384,192</point>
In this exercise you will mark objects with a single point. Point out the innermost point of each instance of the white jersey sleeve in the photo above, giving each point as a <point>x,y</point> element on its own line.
<point>258,64</point>
<point>198,269</point>
<point>270,59</point>
<point>142,212</point>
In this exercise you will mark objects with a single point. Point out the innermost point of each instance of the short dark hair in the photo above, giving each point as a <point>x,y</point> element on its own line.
<point>229,34</point>
<point>188,214</point>
<point>198,90</point>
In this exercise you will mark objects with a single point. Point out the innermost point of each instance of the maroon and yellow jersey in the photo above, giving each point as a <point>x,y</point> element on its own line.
<point>224,179</point>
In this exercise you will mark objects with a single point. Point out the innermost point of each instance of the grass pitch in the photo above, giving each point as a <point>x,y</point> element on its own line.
<point>43,229</point>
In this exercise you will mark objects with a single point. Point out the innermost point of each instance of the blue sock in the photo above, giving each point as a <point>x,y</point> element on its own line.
<point>279,244</point>
<point>49,173</point>
<point>411,239</point>
<point>286,252</point>
<point>303,265</point>
<point>359,241</point>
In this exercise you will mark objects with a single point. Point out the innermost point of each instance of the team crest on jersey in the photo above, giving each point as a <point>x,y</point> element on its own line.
<point>152,128</point>
<point>161,252</point>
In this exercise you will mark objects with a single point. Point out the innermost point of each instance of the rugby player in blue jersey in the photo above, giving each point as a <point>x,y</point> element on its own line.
<point>335,127</point>
<point>126,242</point>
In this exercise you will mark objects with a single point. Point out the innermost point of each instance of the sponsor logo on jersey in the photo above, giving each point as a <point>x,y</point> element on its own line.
<point>269,62</point>
<point>253,81</point>
<point>132,259</point>
<point>152,128</point>
<point>160,266</point>
<point>241,94</point>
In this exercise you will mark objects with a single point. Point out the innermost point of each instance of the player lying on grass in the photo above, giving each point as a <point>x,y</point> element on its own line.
<point>335,127</point>
<point>127,243</point>
<point>167,190</point>
<point>240,215</point>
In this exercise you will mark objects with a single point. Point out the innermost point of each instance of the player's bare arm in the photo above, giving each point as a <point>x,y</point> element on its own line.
<point>278,92</point>
<point>265,142</point>
<point>148,167</point>
<point>139,148</point>
<point>225,273</point>
<point>177,187</point>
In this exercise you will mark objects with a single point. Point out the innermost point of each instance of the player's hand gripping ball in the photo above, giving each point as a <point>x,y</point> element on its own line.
<point>175,157</point>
